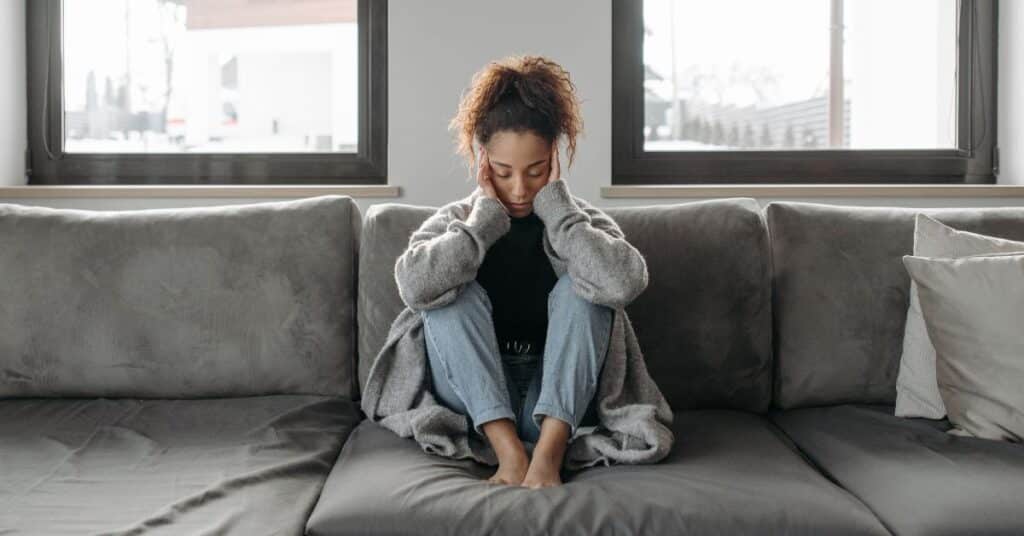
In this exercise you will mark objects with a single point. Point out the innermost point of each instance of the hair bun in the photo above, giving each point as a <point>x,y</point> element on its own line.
<point>524,94</point>
<point>519,93</point>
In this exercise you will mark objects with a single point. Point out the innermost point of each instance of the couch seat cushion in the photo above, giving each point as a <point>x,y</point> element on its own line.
<point>205,466</point>
<point>730,472</point>
<point>914,476</point>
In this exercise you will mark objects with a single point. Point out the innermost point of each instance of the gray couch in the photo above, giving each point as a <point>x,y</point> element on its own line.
<point>179,371</point>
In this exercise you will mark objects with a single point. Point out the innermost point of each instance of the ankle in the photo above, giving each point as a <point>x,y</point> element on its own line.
<point>512,452</point>
<point>506,443</point>
<point>549,456</point>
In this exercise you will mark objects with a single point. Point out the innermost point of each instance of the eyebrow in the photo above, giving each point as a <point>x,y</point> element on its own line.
<point>541,161</point>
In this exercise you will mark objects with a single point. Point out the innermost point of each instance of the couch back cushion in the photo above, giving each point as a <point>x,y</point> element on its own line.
<point>841,292</point>
<point>385,235</point>
<point>704,321</point>
<point>224,301</point>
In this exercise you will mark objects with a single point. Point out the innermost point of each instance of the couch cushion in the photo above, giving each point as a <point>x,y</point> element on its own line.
<point>385,235</point>
<point>704,321</point>
<point>236,300</point>
<point>914,476</point>
<point>841,293</point>
<point>972,307</point>
<point>730,473</point>
<point>227,466</point>
<point>917,388</point>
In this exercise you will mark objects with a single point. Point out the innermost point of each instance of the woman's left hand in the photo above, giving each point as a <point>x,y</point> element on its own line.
<point>556,169</point>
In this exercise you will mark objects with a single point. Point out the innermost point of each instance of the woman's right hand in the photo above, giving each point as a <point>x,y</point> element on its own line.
<point>484,177</point>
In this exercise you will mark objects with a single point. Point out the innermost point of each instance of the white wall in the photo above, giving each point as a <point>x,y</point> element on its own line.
<point>432,56</point>
<point>1011,91</point>
<point>434,53</point>
<point>12,92</point>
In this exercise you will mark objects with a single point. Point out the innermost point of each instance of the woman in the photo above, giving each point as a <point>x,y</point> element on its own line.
<point>517,288</point>
<point>517,110</point>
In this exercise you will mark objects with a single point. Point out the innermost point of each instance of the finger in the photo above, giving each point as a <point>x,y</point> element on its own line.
<point>480,166</point>
<point>485,171</point>
<point>556,168</point>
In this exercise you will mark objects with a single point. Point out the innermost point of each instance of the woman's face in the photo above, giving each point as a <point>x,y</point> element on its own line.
<point>520,164</point>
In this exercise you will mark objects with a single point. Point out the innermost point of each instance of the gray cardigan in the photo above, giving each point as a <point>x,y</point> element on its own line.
<point>443,256</point>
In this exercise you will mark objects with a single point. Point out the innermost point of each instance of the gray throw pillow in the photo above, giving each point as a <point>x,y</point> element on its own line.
<point>917,393</point>
<point>972,307</point>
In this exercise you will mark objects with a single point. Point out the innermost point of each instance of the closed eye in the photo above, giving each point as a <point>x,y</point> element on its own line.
<point>506,166</point>
<point>537,174</point>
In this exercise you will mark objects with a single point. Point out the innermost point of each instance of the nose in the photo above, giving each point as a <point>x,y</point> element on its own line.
<point>520,191</point>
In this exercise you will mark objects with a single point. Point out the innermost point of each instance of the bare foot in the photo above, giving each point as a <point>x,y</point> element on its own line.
<point>511,471</point>
<point>543,472</point>
<point>547,455</point>
<point>512,459</point>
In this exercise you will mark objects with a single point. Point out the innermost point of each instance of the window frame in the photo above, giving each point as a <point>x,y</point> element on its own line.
<point>976,101</point>
<point>368,165</point>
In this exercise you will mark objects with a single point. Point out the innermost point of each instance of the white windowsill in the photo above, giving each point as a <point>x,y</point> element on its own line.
<point>188,190</point>
<point>640,191</point>
<point>814,190</point>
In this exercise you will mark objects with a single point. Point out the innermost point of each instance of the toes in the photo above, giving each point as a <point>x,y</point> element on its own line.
<point>541,483</point>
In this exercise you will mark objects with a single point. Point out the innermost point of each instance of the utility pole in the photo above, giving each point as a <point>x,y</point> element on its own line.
<point>836,109</point>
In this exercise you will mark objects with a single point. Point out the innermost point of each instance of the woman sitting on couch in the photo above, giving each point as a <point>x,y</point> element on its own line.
<point>513,346</point>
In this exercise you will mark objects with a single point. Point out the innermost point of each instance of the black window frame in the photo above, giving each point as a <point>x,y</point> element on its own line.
<point>49,164</point>
<point>971,162</point>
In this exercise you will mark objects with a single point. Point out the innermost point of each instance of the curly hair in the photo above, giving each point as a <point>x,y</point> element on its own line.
<point>521,94</point>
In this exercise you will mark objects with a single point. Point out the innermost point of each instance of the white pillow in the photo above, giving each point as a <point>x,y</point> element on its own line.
<point>917,390</point>
<point>972,309</point>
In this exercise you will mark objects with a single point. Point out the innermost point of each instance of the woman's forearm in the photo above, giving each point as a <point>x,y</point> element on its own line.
<point>605,268</point>
<point>445,253</point>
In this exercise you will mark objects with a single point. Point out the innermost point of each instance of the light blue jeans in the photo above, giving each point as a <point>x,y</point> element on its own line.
<point>474,378</point>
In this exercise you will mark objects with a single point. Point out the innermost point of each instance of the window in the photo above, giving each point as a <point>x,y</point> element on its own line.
<point>207,92</point>
<point>803,91</point>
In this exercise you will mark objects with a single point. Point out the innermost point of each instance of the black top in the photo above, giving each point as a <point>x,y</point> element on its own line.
<point>518,278</point>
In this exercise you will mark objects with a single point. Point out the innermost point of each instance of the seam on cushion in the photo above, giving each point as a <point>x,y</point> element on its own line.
<point>769,266</point>
<point>776,387</point>
<point>355,235</point>
<point>811,462</point>
<point>342,454</point>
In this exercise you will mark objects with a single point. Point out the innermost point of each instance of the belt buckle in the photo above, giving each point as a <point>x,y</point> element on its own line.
<point>518,347</point>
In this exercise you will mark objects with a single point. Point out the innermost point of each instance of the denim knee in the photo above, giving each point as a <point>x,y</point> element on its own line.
<point>565,295</point>
<point>472,296</point>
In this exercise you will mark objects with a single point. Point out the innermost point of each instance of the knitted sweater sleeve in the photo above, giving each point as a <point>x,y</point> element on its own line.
<point>445,252</point>
<point>604,267</point>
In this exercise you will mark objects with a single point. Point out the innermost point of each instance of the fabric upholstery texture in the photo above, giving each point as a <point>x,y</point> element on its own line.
<point>840,295</point>
<point>255,303</point>
<point>704,321</point>
<point>176,303</point>
<point>732,473</point>
<point>201,466</point>
<point>915,477</point>
<point>917,390</point>
<point>972,307</point>
<point>385,235</point>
